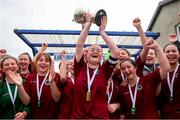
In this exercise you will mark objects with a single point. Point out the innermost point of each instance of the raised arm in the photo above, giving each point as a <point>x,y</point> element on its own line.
<point>173,39</point>
<point>137,25</point>
<point>82,37</point>
<point>43,48</point>
<point>111,45</point>
<point>163,61</point>
<point>56,94</point>
<point>63,68</point>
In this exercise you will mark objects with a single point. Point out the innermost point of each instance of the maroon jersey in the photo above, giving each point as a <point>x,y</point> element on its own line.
<point>66,100</point>
<point>140,66</point>
<point>146,99</point>
<point>171,109</point>
<point>97,106</point>
<point>48,107</point>
<point>114,99</point>
<point>24,76</point>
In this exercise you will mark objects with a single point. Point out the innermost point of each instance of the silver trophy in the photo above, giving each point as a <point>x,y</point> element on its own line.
<point>79,16</point>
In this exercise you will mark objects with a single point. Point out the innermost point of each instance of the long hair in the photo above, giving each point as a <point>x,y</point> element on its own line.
<point>1,64</point>
<point>47,56</point>
<point>31,66</point>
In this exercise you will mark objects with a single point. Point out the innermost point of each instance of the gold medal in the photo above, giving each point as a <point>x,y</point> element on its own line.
<point>88,96</point>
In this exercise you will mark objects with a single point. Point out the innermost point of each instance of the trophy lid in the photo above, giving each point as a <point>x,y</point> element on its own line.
<point>100,13</point>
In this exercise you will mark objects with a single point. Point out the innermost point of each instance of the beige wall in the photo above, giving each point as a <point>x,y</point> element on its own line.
<point>166,21</point>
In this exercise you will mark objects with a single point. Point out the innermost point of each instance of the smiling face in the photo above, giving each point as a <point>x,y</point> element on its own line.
<point>94,54</point>
<point>128,69</point>
<point>123,54</point>
<point>9,63</point>
<point>70,66</point>
<point>172,54</point>
<point>150,59</point>
<point>43,63</point>
<point>24,62</point>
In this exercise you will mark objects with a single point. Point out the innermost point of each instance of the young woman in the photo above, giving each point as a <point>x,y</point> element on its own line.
<point>25,64</point>
<point>170,85</point>
<point>150,64</point>
<point>89,97</point>
<point>137,98</point>
<point>118,77</point>
<point>67,79</point>
<point>173,39</point>
<point>11,106</point>
<point>42,89</point>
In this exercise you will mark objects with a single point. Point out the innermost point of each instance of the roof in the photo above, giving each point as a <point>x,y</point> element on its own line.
<point>66,40</point>
<point>157,12</point>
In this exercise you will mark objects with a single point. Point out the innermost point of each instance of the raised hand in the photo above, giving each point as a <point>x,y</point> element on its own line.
<point>172,38</point>
<point>44,46</point>
<point>15,77</point>
<point>137,22</point>
<point>152,44</point>
<point>88,17</point>
<point>52,74</point>
<point>102,27</point>
<point>62,54</point>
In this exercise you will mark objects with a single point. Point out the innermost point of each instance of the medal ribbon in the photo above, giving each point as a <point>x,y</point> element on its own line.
<point>69,73</point>
<point>90,81</point>
<point>149,69</point>
<point>13,98</point>
<point>133,98</point>
<point>122,75</point>
<point>39,91</point>
<point>170,83</point>
<point>109,93</point>
<point>72,80</point>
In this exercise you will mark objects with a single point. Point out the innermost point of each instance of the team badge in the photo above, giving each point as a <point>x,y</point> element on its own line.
<point>47,82</point>
<point>139,87</point>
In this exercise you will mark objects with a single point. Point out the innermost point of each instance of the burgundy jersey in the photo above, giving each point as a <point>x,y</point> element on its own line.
<point>171,109</point>
<point>146,99</point>
<point>66,100</point>
<point>114,99</point>
<point>97,106</point>
<point>48,107</point>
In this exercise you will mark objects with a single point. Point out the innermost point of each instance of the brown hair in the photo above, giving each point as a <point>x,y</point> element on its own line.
<point>126,51</point>
<point>31,66</point>
<point>1,64</point>
<point>128,59</point>
<point>47,56</point>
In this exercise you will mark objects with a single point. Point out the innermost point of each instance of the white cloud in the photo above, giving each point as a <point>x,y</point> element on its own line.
<point>58,14</point>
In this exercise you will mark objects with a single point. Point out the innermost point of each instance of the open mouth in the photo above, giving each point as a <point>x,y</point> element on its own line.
<point>23,64</point>
<point>42,66</point>
<point>95,56</point>
<point>171,58</point>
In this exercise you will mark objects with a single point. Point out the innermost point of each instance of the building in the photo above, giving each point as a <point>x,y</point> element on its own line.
<point>166,20</point>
